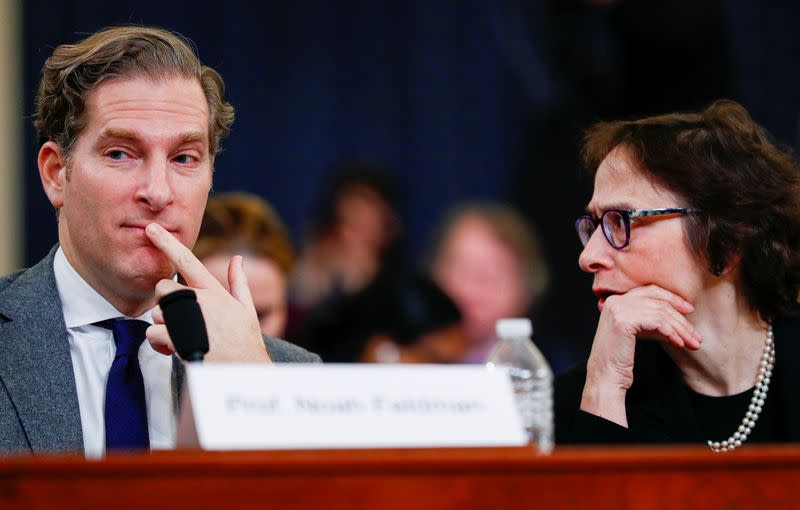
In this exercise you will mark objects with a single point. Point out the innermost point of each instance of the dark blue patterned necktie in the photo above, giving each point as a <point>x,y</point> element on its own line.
<point>125,406</point>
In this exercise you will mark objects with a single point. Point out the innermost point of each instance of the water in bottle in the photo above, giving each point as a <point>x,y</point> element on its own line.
<point>531,379</point>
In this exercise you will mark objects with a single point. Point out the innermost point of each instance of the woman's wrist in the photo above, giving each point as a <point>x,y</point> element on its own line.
<point>605,399</point>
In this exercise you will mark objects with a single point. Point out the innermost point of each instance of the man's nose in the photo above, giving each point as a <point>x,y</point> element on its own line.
<point>156,187</point>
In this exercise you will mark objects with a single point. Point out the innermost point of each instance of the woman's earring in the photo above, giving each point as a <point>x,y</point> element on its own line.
<point>717,269</point>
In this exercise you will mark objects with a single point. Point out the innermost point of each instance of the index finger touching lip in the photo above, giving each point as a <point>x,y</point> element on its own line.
<point>186,263</point>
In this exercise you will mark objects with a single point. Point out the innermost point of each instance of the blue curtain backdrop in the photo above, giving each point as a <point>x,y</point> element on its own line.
<point>462,99</point>
<point>419,86</point>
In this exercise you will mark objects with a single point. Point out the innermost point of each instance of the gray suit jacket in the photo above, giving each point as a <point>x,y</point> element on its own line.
<point>38,401</point>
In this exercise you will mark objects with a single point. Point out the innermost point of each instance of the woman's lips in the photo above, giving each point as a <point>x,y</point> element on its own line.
<point>602,295</point>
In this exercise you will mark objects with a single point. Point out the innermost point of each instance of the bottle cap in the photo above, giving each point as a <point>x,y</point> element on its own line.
<point>510,328</point>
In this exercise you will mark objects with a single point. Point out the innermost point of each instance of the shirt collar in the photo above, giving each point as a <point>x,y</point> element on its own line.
<point>82,304</point>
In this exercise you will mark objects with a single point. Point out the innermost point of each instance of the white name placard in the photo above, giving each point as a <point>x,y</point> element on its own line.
<point>236,407</point>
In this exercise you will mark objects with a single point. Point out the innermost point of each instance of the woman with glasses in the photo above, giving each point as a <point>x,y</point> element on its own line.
<point>692,236</point>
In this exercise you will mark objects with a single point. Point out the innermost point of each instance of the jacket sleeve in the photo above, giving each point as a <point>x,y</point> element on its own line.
<point>281,351</point>
<point>590,429</point>
<point>574,426</point>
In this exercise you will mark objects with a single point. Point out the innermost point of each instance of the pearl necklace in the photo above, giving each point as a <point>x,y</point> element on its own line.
<point>756,403</point>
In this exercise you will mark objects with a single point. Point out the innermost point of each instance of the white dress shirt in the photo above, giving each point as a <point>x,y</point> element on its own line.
<point>92,349</point>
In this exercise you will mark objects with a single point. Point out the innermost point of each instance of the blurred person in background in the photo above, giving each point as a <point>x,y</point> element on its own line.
<point>415,322</point>
<point>396,319</point>
<point>489,261</point>
<point>354,237</point>
<point>246,225</point>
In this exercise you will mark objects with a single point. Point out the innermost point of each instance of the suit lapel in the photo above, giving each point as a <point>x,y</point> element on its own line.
<point>35,363</point>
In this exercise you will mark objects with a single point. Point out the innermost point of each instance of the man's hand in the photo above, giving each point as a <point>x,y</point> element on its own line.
<point>233,330</point>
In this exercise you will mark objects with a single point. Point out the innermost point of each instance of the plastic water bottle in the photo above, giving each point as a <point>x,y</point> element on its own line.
<point>531,379</point>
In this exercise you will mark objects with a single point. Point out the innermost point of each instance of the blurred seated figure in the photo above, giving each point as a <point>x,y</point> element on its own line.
<point>489,261</point>
<point>416,322</point>
<point>353,236</point>
<point>396,319</point>
<point>244,224</point>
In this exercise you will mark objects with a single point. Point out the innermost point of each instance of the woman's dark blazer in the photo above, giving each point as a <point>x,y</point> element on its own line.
<point>658,403</point>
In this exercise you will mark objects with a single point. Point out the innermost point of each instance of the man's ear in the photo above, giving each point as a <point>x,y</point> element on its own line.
<point>53,172</point>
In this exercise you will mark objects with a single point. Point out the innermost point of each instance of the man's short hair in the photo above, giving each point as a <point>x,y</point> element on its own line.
<point>74,70</point>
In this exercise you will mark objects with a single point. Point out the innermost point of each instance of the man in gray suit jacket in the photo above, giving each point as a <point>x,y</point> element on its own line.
<point>129,123</point>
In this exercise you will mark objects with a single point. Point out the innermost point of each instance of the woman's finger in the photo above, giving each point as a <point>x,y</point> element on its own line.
<point>659,320</point>
<point>691,338</point>
<point>663,294</point>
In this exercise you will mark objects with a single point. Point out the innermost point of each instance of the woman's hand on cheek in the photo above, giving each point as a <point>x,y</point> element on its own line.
<point>643,312</point>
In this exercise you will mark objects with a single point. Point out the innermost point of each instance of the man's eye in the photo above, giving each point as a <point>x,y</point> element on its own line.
<point>117,155</point>
<point>184,159</point>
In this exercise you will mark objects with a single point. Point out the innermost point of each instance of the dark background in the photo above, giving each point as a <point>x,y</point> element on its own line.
<point>461,99</point>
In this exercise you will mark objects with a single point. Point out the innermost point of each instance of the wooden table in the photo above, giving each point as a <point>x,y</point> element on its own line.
<point>490,478</point>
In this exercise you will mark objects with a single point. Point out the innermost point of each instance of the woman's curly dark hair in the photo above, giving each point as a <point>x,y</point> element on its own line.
<point>748,189</point>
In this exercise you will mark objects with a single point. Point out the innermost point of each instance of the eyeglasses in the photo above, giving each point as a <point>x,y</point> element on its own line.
<point>617,223</point>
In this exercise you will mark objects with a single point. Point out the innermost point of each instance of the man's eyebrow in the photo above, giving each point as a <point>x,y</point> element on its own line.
<point>194,136</point>
<point>127,134</point>
<point>118,133</point>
